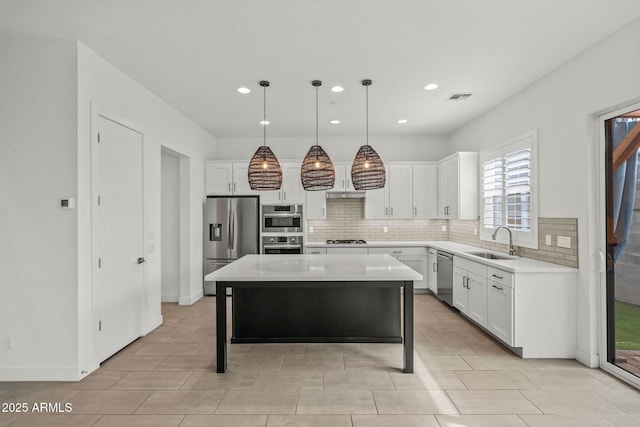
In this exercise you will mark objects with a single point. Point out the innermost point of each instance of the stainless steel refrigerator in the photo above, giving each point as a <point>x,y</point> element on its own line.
<point>231,231</point>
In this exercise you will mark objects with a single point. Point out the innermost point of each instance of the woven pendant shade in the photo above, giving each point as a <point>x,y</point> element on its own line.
<point>317,171</point>
<point>265,172</point>
<point>367,171</point>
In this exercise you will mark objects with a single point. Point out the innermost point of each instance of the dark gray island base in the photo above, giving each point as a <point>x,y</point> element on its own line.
<point>315,311</point>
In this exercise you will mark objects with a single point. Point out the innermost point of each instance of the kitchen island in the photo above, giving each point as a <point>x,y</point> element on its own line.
<point>315,298</point>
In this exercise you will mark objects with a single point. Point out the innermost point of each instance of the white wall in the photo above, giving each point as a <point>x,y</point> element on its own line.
<point>104,85</point>
<point>38,243</point>
<point>170,227</point>
<point>563,106</point>
<point>340,149</point>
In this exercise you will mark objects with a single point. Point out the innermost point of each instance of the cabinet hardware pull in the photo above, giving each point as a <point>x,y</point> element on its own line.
<point>347,185</point>
<point>279,195</point>
<point>391,211</point>
<point>284,195</point>
<point>415,210</point>
<point>497,277</point>
<point>229,186</point>
<point>323,211</point>
<point>234,186</point>
<point>396,252</point>
<point>497,287</point>
<point>435,267</point>
<point>343,184</point>
<point>386,211</point>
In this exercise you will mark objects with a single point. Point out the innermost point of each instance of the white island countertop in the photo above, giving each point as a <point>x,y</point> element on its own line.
<point>325,268</point>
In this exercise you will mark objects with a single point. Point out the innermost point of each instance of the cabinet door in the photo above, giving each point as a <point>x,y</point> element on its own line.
<point>425,191</point>
<point>460,292</point>
<point>343,177</point>
<point>218,179</point>
<point>443,190</point>
<point>292,190</point>
<point>343,251</point>
<point>432,274</point>
<point>477,302</point>
<point>271,197</point>
<point>241,180</point>
<point>452,185</point>
<point>419,264</point>
<point>376,202</point>
<point>499,311</point>
<point>400,192</point>
<point>316,207</point>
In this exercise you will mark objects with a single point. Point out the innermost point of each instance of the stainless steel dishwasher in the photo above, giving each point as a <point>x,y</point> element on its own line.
<point>445,277</point>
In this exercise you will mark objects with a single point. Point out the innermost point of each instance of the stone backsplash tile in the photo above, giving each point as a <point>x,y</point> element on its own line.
<point>345,220</point>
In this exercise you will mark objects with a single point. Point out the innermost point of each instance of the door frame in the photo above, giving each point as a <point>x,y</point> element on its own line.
<point>184,296</point>
<point>100,112</point>
<point>601,226</point>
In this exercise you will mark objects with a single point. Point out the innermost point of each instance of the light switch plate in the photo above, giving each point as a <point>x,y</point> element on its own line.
<point>564,242</point>
<point>310,230</point>
<point>385,230</point>
<point>547,239</point>
<point>444,228</point>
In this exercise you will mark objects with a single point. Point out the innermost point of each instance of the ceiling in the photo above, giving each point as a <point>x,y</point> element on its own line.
<point>195,54</point>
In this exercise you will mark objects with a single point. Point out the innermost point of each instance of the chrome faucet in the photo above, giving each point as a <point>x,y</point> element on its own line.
<point>493,237</point>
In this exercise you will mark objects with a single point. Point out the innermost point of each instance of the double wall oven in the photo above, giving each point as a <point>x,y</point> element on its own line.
<point>287,222</point>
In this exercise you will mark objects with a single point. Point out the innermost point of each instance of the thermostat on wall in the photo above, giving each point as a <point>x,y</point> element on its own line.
<point>67,203</point>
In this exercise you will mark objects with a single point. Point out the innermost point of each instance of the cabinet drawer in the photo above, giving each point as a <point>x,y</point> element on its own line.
<point>499,276</point>
<point>470,266</point>
<point>315,250</point>
<point>399,251</point>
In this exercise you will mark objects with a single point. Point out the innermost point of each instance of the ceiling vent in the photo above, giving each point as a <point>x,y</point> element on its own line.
<point>459,97</point>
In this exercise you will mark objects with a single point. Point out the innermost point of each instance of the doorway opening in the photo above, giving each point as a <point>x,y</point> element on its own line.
<point>622,200</point>
<point>174,218</point>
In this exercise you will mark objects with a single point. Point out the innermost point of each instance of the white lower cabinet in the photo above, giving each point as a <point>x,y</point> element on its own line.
<point>500,311</point>
<point>315,251</point>
<point>413,257</point>
<point>432,271</point>
<point>470,290</point>
<point>348,250</point>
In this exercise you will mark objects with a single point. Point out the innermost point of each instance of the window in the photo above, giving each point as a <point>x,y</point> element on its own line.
<point>507,188</point>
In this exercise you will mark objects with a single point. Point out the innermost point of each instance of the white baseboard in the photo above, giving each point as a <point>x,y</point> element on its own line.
<point>169,298</point>
<point>39,374</point>
<point>590,360</point>
<point>192,299</point>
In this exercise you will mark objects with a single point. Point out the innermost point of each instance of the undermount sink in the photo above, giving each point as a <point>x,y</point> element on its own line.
<point>490,255</point>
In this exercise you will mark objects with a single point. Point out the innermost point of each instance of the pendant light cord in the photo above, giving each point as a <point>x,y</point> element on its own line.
<point>316,115</point>
<point>264,118</point>
<point>367,88</point>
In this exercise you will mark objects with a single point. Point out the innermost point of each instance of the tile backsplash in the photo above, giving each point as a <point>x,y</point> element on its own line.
<point>345,220</point>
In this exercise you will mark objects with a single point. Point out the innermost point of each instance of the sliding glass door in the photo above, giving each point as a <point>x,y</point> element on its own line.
<point>622,199</point>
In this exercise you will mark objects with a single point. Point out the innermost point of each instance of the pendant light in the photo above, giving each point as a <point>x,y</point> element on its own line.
<point>265,172</point>
<point>317,171</point>
<point>367,171</point>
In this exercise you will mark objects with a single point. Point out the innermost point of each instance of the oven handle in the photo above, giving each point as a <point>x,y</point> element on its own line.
<point>282,246</point>
<point>281,214</point>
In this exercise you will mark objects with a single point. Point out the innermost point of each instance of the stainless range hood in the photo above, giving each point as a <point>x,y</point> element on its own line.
<point>345,195</point>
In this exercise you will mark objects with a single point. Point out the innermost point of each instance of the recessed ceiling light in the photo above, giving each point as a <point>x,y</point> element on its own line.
<point>337,89</point>
<point>264,122</point>
<point>402,121</point>
<point>244,90</point>
<point>431,86</point>
<point>335,122</point>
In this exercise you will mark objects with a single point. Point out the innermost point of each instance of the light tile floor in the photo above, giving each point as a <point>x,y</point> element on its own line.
<point>463,378</point>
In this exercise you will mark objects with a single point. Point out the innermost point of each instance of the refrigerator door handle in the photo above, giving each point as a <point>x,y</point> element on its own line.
<point>228,229</point>
<point>232,239</point>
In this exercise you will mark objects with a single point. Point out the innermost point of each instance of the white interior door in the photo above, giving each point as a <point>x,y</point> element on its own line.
<point>118,246</point>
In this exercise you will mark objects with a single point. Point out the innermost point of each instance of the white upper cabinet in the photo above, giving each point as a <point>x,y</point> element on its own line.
<point>425,191</point>
<point>226,179</point>
<point>291,190</point>
<point>343,177</point>
<point>400,192</point>
<point>376,202</point>
<point>458,186</point>
<point>316,207</point>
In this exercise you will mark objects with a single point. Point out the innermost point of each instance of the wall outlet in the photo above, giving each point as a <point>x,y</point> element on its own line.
<point>444,228</point>
<point>385,229</point>
<point>547,239</point>
<point>310,230</point>
<point>564,242</point>
<point>475,231</point>
<point>8,343</point>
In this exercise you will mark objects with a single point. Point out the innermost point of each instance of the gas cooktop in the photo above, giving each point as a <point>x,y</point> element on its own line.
<point>346,242</point>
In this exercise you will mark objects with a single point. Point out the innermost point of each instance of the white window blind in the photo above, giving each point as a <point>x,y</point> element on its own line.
<point>508,177</point>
